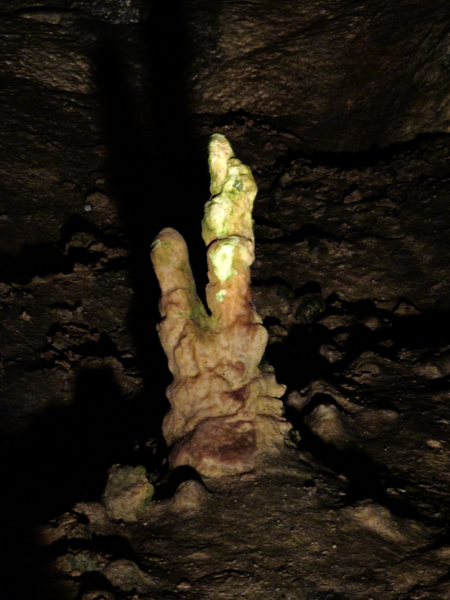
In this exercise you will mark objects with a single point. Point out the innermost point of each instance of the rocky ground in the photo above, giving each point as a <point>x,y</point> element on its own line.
<point>351,278</point>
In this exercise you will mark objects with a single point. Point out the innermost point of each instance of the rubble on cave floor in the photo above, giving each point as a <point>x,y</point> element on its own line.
<point>357,506</point>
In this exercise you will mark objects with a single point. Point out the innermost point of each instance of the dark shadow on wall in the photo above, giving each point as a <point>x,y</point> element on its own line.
<point>157,168</point>
<point>159,177</point>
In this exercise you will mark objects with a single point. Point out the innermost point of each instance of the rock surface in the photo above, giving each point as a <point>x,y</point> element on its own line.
<point>340,75</point>
<point>351,279</point>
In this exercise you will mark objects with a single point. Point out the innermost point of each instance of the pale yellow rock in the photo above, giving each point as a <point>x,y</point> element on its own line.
<point>225,409</point>
<point>189,497</point>
<point>127,493</point>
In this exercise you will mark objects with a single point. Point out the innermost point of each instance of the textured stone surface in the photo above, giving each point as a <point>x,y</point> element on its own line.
<point>351,281</point>
<point>341,75</point>
<point>114,11</point>
<point>362,232</point>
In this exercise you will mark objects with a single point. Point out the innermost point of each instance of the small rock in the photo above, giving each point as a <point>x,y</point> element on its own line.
<point>435,367</point>
<point>294,437</point>
<point>366,366</point>
<point>404,309</point>
<point>379,519</point>
<point>342,338</point>
<point>126,575</point>
<point>386,343</point>
<point>80,239</point>
<point>127,493</point>
<point>5,289</point>
<point>435,444</point>
<point>373,322</point>
<point>326,422</point>
<point>355,196</point>
<point>98,595</point>
<point>276,333</point>
<point>184,585</point>
<point>337,320</point>
<point>310,307</point>
<point>429,370</point>
<point>97,199</point>
<point>331,353</point>
<point>94,511</point>
<point>189,496</point>
<point>297,400</point>
<point>67,526</point>
<point>76,563</point>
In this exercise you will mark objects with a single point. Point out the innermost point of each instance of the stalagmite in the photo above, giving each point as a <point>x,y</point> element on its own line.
<point>225,411</point>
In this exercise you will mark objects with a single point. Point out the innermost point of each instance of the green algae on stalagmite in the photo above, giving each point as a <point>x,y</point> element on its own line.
<point>225,411</point>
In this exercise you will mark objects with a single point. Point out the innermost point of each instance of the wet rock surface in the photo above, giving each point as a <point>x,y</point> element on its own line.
<point>351,279</point>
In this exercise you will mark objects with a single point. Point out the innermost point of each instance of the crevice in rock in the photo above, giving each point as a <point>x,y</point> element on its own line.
<point>373,156</point>
<point>76,224</point>
<point>50,258</point>
<point>71,342</point>
<point>34,260</point>
<point>296,360</point>
<point>295,236</point>
<point>427,330</point>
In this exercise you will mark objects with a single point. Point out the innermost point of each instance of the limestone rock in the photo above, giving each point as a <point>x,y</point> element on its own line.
<point>127,493</point>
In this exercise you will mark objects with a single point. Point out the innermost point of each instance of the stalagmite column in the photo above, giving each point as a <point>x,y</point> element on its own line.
<point>225,410</point>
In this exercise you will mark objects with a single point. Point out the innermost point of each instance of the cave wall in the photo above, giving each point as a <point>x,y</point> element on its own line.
<point>341,109</point>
